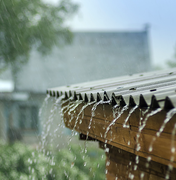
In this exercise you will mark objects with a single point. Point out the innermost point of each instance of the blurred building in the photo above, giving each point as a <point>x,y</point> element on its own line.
<point>91,56</point>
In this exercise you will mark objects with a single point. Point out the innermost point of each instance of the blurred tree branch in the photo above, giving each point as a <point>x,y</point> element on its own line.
<point>32,24</point>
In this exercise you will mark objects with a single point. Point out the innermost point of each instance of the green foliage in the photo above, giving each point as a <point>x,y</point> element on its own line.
<point>80,165</point>
<point>18,161</point>
<point>31,24</point>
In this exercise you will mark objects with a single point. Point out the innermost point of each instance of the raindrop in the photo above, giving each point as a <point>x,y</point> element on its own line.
<point>72,164</point>
<point>107,163</point>
<point>137,159</point>
<point>149,158</point>
<point>32,170</point>
<point>107,150</point>
<point>29,168</point>
<point>147,165</point>
<point>50,171</point>
<point>142,175</point>
<point>167,176</point>
<point>135,167</point>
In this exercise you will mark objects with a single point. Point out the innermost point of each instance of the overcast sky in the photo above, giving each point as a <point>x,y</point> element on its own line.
<point>111,15</point>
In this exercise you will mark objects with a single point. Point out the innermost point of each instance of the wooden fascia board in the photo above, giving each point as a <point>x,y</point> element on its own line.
<point>126,138</point>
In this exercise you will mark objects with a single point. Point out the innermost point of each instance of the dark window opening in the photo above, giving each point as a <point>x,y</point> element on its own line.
<point>28,117</point>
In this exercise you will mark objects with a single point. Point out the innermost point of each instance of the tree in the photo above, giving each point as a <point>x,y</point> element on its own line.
<point>27,24</point>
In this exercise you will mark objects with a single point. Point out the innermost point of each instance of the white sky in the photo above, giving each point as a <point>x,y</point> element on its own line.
<point>110,15</point>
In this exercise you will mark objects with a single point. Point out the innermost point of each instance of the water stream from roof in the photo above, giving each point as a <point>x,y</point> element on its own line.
<point>74,106</point>
<point>129,114</point>
<point>77,117</point>
<point>69,105</point>
<point>143,118</point>
<point>47,124</point>
<point>173,143</point>
<point>45,102</point>
<point>169,115</point>
<point>120,112</point>
<point>172,158</point>
<point>93,109</point>
<point>47,113</point>
<point>142,123</point>
<point>50,129</point>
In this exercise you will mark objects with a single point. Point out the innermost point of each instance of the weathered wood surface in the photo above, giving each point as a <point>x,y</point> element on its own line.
<point>122,165</point>
<point>126,138</point>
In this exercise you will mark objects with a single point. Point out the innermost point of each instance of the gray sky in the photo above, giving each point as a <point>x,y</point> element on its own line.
<point>110,15</point>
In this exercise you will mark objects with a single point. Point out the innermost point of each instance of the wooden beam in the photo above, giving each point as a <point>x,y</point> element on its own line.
<point>122,165</point>
<point>129,139</point>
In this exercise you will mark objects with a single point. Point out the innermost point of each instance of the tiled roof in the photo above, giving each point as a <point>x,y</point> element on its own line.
<point>152,89</point>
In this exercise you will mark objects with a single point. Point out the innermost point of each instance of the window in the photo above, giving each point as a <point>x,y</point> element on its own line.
<point>28,117</point>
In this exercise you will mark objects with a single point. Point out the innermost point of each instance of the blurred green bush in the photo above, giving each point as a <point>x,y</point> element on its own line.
<point>19,161</point>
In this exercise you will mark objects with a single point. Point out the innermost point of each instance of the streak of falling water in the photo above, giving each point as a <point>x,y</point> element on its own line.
<point>129,114</point>
<point>43,105</point>
<point>111,124</point>
<point>59,126</point>
<point>92,115</point>
<point>63,107</point>
<point>142,124</point>
<point>169,115</point>
<point>93,112</point>
<point>172,158</point>
<point>67,107</point>
<point>70,108</point>
<point>77,118</point>
<point>114,120</point>
<point>115,111</point>
<point>47,125</point>
<point>73,108</point>
<point>173,143</point>
<point>82,109</point>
